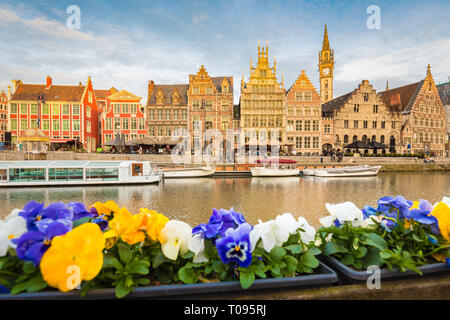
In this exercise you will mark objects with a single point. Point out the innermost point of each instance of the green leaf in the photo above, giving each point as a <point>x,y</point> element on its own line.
<point>294,248</point>
<point>309,260</point>
<point>36,284</point>
<point>210,250</point>
<point>291,265</point>
<point>333,247</point>
<point>360,252</point>
<point>246,278</point>
<point>188,275</point>
<point>220,268</point>
<point>374,240</point>
<point>294,238</point>
<point>143,281</point>
<point>18,288</point>
<point>122,290</point>
<point>124,252</point>
<point>79,222</point>
<point>158,260</point>
<point>348,259</point>
<point>28,267</point>
<point>314,251</point>
<point>140,267</point>
<point>277,253</point>
<point>111,262</point>
<point>188,255</point>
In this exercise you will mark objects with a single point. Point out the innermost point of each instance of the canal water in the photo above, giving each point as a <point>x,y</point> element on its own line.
<point>192,200</point>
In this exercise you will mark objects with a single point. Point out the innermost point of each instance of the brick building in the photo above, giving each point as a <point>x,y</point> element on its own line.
<point>303,117</point>
<point>65,114</point>
<point>424,123</point>
<point>444,93</point>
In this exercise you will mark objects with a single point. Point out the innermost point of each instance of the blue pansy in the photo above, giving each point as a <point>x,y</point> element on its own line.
<point>235,245</point>
<point>397,207</point>
<point>32,245</point>
<point>422,215</point>
<point>102,222</point>
<point>219,222</point>
<point>80,211</point>
<point>368,211</point>
<point>32,212</point>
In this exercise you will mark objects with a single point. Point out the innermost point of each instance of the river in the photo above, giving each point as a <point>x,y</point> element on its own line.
<point>192,200</point>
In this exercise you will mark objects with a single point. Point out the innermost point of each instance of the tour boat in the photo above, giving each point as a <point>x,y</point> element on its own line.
<point>198,172</point>
<point>355,171</point>
<point>73,172</point>
<point>275,168</point>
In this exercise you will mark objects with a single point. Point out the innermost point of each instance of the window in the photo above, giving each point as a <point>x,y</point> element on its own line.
<point>315,125</point>
<point>365,124</point>
<point>356,108</point>
<point>374,124</point>
<point>76,109</point>
<point>134,108</point>
<point>34,109</point>
<point>167,116</point>
<point>184,114</point>
<point>208,105</point>
<point>26,174</point>
<point>66,109</point>
<point>393,125</point>
<point>366,97</point>
<point>55,125</point>
<point>125,124</point>
<point>375,108</point>
<point>346,139</point>
<point>55,109</point>
<point>14,108</point>
<point>355,124</point>
<point>327,128</point>
<point>88,111</point>
<point>45,109</point>
<point>290,125</point>
<point>383,124</point>
<point>298,142</point>
<point>45,125</point>
<point>66,125</point>
<point>176,114</point>
<point>298,96</point>
<point>23,108</point>
<point>108,124</point>
<point>307,126</point>
<point>224,89</point>
<point>307,96</point>
<point>159,114</point>
<point>307,142</point>
<point>133,123</point>
<point>23,124</point>
<point>196,90</point>
<point>88,126</point>
<point>13,124</point>
<point>90,97</point>
<point>76,125</point>
<point>209,90</point>
<point>151,114</point>
<point>116,123</point>
<point>225,107</point>
<point>141,124</point>
<point>116,108</point>
<point>125,108</point>
<point>346,124</point>
<point>315,142</point>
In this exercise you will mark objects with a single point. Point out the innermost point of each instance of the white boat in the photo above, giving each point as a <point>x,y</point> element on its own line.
<point>275,168</point>
<point>360,171</point>
<point>189,172</point>
<point>73,172</point>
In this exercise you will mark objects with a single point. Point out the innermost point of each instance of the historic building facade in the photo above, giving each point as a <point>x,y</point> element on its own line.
<point>167,108</point>
<point>424,123</point>
<point>444,93</point>
<point>210,104</point>
<point>3,115</point>
<point>63,113</point>
<point>326,69</point>
<point>361,115</point>
<point>123,114</point>
<point>303,117</point>
<point>262,101</point>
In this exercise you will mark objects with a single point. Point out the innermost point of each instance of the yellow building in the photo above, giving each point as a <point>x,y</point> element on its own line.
<point>262,101</point>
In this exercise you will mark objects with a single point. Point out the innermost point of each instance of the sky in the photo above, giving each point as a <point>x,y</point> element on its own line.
<point>127,43</point>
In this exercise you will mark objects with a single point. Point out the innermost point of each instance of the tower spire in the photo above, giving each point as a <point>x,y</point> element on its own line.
<point>428,70</point>
<point>326,43</point>
<point>387,85</point>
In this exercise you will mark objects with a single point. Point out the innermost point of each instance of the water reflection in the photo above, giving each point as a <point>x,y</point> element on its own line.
<point>191,200</point>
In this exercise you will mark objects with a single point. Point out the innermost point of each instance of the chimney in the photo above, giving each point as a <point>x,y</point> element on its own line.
<point>9,93</point>
<point>49,82</point>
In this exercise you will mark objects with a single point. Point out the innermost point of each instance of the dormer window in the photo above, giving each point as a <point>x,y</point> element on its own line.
<point>160,97</point>
<point>224,89</point>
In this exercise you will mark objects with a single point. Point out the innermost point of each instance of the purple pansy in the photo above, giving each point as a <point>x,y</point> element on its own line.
<point>422,215</point>
<point>80,211</point>
<point>235,245</point>
<point>369,211</point>
<point>32,212</point>
<point>219,222</point>
<point>32,245</point>
<point>397,207</point>
<point>102,222</point>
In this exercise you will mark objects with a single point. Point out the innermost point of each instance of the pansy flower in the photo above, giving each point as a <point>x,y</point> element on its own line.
<point>219,222</point>
<point>32,212</point>
<point>109,208</point>
<point>397,207</point>
<point>32,245</point>
<point>102,222</point>
<point>80,211</point>
<point>341,213</point>
<point>175,238</point>
<point>235,245</point>
<point>421,212</point>
<point>12,227</point>
<point>441,212</point>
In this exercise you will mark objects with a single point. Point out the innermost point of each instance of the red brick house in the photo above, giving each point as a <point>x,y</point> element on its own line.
<point>68,115</point>
<point>3,115</point>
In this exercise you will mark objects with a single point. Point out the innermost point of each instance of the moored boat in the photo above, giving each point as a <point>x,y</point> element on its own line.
<point>206,171</point>
<point>275,168</point>
<point>357,171</point>
<point>54,173</point>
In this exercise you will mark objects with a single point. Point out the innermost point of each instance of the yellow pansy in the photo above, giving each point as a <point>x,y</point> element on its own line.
<point>73,257</point>
<point>130,228</point>
<point>442,213</point>
<point>108,208</point>
<point>155,223</point>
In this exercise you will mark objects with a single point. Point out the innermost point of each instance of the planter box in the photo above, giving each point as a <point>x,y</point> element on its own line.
<point>325,277</point>
<point>349,275</point>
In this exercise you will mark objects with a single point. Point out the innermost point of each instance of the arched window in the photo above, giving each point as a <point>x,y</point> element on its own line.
<point>374,138</point>
<point>326,95</point>
<point>382,139</point>
<point>346,139</point>
<point>355,138</point>
<point>364,138</point>
<point>326,84</point>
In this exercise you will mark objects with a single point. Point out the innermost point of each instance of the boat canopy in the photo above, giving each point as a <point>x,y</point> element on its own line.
<point>64,164</point>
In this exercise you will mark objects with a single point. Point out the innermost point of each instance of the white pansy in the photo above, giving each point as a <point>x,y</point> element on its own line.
<point>346,211</point>
<point>275,233</point>
<point>446,200</point>
<point>197,246</point>
<point>176,236</point>
<point>309,233</point>
<point>11,228</point>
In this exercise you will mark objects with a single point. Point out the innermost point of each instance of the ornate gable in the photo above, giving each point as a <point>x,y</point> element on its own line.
<point>159,96</point>
<point>124,95</point>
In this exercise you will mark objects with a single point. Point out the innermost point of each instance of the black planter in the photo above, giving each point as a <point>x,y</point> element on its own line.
<point>351,276</point>
<point>325,277</point>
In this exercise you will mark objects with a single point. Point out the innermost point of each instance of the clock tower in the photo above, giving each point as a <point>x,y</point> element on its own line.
<point>326,65</point>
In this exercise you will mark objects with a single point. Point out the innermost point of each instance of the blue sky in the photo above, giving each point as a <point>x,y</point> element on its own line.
<point>126,43</point>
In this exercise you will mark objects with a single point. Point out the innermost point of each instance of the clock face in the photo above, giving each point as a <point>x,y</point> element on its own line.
<point>326,71</point>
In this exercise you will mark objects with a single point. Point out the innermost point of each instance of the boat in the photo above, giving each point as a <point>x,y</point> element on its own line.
<point>198,172</point>
<point>275,168</point>
<point>74,172</point>
<point>355,171</point>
